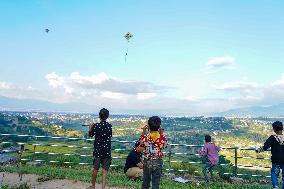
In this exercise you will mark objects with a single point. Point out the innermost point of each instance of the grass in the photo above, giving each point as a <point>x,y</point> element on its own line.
<point>117,178</point>
<point>22,186</point>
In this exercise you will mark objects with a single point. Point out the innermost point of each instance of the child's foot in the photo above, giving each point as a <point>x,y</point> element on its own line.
<point>90,187</point>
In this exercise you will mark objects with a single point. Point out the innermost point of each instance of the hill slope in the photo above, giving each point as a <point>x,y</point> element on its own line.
<point>256,111</point>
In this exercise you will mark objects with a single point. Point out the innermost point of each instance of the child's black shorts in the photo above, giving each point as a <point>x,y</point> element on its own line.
<point>105,162</point>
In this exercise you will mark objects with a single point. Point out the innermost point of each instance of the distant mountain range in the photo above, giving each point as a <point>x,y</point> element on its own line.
<point>12,104</point>
<point>256,111</point>
<point>25,105</point>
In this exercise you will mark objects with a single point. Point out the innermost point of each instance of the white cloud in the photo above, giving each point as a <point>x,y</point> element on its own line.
<point>102,82</point>
<point>145,96</point>
<point>219,62</point>
<point>112,95</point>
<point>279,83</point>
<point>274,93</point>
<point>241,92</point>
<point>216,63</point>
<point>234,94</point>
<point>239,86</point>
<point>192,98</point>
<point>94,79</point>
<point>5,85</point>
<point>28,92</point>
<point>246,93</point>
<point>54,80</point>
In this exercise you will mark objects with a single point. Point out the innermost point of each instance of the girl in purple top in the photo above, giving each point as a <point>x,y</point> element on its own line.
<point>210,151</point>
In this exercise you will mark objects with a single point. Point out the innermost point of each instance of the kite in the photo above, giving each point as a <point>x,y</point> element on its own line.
<point>127,36</point>
<point>47,30</point>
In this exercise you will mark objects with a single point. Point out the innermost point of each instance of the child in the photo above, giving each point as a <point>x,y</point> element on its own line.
<point>133,168</point>
<point>276,143</point>
<point>154,143</point>
<point>210,151</point>
<point>102,147</point>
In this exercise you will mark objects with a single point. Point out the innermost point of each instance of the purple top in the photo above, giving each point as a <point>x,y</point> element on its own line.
<point>211,151</point>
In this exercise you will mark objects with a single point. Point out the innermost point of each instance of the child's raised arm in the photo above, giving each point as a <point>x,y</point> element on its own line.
<point>92,129</point>
<point>161,130</point>
<point>145,128</point>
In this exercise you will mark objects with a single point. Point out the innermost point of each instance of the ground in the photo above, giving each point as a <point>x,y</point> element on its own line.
<point>38,182</point>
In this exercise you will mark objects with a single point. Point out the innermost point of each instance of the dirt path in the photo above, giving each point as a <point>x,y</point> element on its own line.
<point>13,179</point>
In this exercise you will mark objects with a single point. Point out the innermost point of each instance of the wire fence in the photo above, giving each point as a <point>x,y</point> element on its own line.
<point>172,154</point>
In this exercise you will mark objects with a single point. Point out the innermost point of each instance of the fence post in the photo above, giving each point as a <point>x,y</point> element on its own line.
<point>170,158</point>
<point>236,162</point>
<point>34,153</point>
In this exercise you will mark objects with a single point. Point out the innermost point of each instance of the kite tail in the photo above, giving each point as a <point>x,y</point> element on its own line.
<point>125,58</point>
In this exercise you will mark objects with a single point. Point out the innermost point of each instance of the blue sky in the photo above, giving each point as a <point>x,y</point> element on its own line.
<point>194,56</point>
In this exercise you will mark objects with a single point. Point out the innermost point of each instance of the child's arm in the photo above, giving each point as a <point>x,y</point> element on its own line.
<point>163,138</point>
<point>161,131</point>
<point>163,141</point>
<point>145,129</point>
<point>138,162</point>
<point>140,165</point>
<point>218,148</point>
<point>92,130</point>
<point>203,151</point>
<point>266,145</point>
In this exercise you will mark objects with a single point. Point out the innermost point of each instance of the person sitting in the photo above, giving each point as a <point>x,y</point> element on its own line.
<point>133,168</point>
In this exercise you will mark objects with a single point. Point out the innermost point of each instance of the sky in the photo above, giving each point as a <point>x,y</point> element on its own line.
<point>185,57</point>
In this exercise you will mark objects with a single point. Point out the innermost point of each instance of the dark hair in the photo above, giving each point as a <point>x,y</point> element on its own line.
<point>207,138</point>
<point>277,126</point>
<point>137,143</point>
<point>154,123</point>
<point>104,113</point>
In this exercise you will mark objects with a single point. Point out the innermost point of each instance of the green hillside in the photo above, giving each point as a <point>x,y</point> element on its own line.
<point>244,133</point>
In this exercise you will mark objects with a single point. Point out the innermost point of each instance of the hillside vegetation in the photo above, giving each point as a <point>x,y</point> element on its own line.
<point>245,133</point>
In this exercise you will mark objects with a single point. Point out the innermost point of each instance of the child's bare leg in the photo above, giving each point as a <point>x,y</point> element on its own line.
<point>104,175</point>
<point>94,178</point>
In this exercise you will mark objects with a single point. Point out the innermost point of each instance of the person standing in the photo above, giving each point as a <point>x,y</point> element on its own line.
<point>102,132</point>
<point>154,142</point>
<point>210,151</point>
<point>276,144</point>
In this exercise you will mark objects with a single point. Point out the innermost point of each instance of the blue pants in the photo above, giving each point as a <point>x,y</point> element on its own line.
<point>209,167</point>
<point>152,171</point>
<point>275,170</point>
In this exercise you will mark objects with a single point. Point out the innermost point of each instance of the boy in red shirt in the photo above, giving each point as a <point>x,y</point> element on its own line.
<point>154,143</point>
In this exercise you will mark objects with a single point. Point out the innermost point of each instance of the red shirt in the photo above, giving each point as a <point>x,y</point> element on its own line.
<point>153,148</point>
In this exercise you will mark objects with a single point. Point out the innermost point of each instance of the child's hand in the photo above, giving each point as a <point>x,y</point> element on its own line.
<point>91,126</point>
<point>258,150</point>
<point>161,130</point>
<point>145,128</point>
